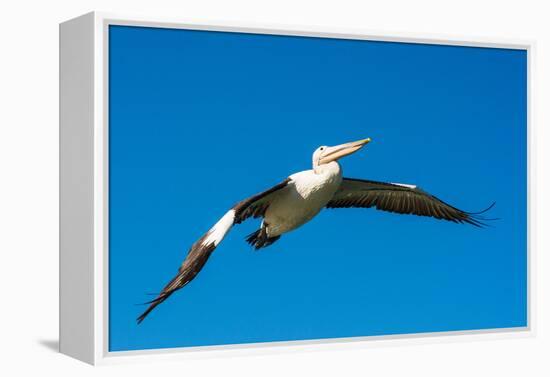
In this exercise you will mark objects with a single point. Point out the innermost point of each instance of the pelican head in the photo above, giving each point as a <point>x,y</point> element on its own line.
<point>324,155</point>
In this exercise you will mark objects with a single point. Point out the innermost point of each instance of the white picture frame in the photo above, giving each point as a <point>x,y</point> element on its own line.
<point>84,196</point>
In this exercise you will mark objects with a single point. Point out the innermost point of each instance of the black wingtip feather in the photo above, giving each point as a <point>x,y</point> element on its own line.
<point>154,303</point>
<point>482,211</point>
<point>196,259</point>
<point>474,218</point>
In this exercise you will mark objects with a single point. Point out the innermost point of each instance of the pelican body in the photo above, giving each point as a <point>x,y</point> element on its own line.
<point>299,198</point>
<point>305,194</point>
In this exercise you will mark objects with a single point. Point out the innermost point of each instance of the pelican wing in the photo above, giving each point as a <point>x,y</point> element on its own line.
<point>398,198</point>
<point>200,251</point>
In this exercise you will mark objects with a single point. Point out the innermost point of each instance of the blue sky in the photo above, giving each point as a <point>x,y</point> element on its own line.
<point>201,120</point>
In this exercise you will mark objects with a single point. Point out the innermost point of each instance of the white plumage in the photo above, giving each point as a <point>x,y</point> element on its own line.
<point>217,233</point>
<point>304,197</point>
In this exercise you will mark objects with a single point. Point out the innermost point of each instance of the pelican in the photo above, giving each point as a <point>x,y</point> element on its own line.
<point>299,198</point>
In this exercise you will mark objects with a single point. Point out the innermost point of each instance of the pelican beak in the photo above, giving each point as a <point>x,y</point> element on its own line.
<point>334,153</point>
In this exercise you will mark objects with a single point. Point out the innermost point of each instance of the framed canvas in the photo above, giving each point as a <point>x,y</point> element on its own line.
<point>248,188</point>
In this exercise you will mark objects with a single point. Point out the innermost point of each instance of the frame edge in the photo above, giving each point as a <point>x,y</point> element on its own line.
<point>76,190</point>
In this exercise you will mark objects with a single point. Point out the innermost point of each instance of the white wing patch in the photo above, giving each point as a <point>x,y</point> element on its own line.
<point>220,229</point>
<point>404,185</point>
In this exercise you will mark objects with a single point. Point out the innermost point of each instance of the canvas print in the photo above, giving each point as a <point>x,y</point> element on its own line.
<point>267,188</point>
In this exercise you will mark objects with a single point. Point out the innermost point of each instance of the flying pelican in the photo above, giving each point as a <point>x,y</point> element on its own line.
<point>300,197</point>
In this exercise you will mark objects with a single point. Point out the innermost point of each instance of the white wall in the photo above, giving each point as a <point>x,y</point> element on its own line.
<point>29,182</point>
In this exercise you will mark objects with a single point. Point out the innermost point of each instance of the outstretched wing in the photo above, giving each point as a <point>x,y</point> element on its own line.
<point>198,255</point>
<point>399,198</point>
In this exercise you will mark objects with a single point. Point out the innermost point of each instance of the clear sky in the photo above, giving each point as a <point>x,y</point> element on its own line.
<point>201,120</point>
